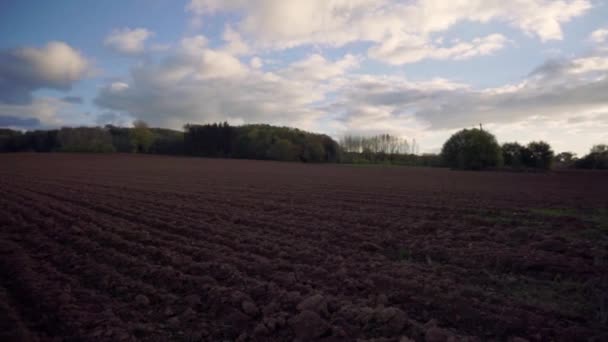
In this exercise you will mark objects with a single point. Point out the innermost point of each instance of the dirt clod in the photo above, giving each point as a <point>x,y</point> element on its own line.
<point>142,300</point>
<point>308,325</point>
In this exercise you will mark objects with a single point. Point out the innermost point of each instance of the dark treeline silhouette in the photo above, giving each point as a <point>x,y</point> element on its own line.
<point>93,139</point>
<point>477,149</point>
<point>536,155</point>
<point>259,142</point>
<point>466,149</point>
<point>596,159</point>
<point>210,140</point>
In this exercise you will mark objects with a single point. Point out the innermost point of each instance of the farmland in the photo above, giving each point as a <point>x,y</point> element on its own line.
<point>128,247</point>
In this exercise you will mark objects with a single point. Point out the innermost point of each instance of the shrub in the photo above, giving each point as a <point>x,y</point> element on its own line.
<point>541,155</point>
<point>513,154</point>
<point>472,149</point>
<point>596,159</point>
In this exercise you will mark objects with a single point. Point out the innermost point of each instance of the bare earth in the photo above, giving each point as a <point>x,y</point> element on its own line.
<point>130,247</point>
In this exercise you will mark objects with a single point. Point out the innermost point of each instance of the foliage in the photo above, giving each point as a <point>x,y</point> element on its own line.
<point>536,155</point>
<point>596,159</point>
<point>472,149</point>
<point>142,136</point>
<point>383,143</point>
<point>122,139</point>
<point>513,154</point>
<point>259,142</point>
<point>85,139</point>
<point>32,141</point>
<point>166,141</point>
<point>541,155</point>
<point>384,149</point>
<point>466,149</point>
<point>565,159</point>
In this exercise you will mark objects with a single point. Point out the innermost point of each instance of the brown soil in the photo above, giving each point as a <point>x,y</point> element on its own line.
<point>129,247</point>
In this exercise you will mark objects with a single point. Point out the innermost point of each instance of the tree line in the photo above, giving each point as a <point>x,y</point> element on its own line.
<point>110,138</point>
<point>384,149</point>
<point>477,149</point>
<point>209,140</point>
<point>259,141</point>
<point>474,149</point>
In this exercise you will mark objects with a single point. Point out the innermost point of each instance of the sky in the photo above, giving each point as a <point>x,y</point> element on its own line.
<point>421,69</point>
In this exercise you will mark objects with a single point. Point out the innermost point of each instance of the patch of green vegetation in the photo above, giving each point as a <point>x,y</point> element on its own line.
<point>555,212</point>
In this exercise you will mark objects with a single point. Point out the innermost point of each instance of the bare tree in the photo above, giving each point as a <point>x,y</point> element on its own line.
<point>383,143</point>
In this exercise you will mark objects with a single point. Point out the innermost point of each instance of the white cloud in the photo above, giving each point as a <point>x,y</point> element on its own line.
<point>44,112</point>
<point>599,36</point>
<point>117,87</point>
<point>552,93</point>
<point>128,41</point>
<point>392,26</point>
<point>316,67</point>
<point>256,62</point>
<point>397,52</point>
<point>234,42</point>
<point>589,64</point>
<point>56,65</point>
<point>201,84</point>
<point>194,45</point>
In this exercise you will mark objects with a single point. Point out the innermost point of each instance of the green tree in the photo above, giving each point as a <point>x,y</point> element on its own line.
<point>513,154</point>
<point>282,149</point>
<point>601,148</point>
<point>541,155</point>
<point>565,159</point>
<point>472,149</point>
<point>142,136</point>
<point>85,139</point>
<point>313,151</point>
<point>596,159</point>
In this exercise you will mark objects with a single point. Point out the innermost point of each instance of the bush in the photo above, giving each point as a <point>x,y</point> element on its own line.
<point>565,159</point>
<point>513,155</point>
<point>540,155</point>
<point>85,139</point>
<point>596,159</point>
<point>142,136</point>
<point>472,149</point>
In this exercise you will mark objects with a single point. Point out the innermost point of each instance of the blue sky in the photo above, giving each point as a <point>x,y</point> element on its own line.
<point>420,69</point>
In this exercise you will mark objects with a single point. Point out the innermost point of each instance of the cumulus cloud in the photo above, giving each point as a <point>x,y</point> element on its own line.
<point>316,67</point>
<point>24,70</point>
<point>72,99</point>
<point>392,26</point>
<point>128,41</point>
<point>599,36</point>
<point>256,62</point>
<point>235,44</point>
<point>199,83</point>
<point>556,90</point>
<point>410,51</point>
<point>47,112</point>
<point>114,118</point>
<point>202,84</point>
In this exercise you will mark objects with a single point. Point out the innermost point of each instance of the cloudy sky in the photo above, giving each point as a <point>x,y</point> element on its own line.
<point>422,69</point>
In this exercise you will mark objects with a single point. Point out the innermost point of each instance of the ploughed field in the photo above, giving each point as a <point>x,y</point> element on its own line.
<point>129,247</point>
